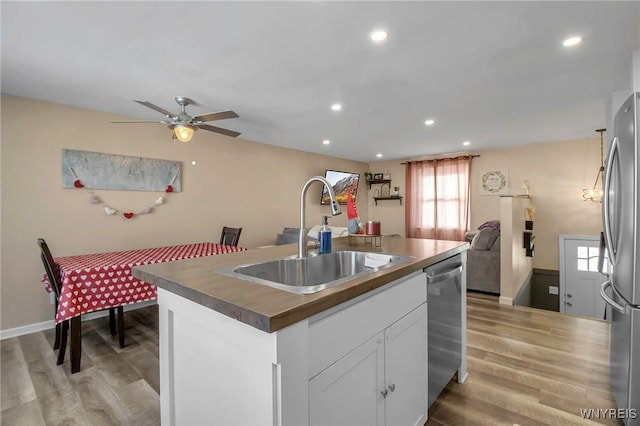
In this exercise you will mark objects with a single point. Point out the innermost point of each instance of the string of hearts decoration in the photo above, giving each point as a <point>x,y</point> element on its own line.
<point>94,199</point>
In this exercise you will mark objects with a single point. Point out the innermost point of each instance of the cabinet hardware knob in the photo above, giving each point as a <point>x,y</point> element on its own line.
<point>392,387</point>
<point>384,393</point>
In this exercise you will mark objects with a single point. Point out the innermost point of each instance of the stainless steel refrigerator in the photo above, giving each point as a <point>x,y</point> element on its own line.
<point>621,291</point>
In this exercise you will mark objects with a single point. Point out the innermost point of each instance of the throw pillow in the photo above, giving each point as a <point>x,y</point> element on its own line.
<point>484,239</point>
<point>492,224</point>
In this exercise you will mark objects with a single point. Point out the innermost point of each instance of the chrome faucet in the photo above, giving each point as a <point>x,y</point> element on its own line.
<point>335,210</point>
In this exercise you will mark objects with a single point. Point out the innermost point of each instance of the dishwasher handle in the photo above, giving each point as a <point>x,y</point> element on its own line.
<point>432,279</point>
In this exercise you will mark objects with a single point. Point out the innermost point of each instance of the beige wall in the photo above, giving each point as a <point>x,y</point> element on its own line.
<point>557,173</point>
<point>234,182</point>
<point>389,212</point>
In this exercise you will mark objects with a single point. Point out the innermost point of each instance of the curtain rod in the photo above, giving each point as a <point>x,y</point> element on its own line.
<point>442,158</point>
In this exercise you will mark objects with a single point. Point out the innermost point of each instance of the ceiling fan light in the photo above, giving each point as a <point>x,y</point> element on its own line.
<point>183,133</point>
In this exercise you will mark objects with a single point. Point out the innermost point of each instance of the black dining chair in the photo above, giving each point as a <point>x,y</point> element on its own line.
<point>52,271</point>
<point>55,281</point>
<point>230,236</point>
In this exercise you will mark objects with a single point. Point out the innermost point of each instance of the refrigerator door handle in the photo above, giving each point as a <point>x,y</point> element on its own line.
<point>611,250</point>
<point>615,305</point>
<point>602,247</point>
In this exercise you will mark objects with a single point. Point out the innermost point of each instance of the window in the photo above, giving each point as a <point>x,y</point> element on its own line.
<point>438,198</point>
<point>588,259</point>
<point>446,205</point>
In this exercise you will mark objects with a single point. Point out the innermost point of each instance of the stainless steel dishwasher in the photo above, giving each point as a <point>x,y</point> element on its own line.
<point>444,299</point>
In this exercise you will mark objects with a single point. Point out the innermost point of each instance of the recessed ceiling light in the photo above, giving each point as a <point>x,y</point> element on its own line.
<point>379,155</point>
<point>572,41</point>
<point>429,122</point>
<point>326,142</point>
<point>379,35</point>
<point>466,143</point>
<point>336,107</point>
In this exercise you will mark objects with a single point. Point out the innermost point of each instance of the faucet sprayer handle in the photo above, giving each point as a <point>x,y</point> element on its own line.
<point>335,208</point>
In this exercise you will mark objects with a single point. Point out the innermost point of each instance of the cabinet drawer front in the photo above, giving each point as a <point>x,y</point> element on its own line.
<point>332,337</point>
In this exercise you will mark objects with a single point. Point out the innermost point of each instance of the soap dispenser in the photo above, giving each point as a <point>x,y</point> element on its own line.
<point>324,237</point>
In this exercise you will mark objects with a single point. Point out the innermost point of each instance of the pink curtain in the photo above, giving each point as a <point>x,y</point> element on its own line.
<point>437,198</point>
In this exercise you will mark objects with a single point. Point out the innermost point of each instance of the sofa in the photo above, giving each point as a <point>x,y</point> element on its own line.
<point>290,235</point>
<point>483,258</point>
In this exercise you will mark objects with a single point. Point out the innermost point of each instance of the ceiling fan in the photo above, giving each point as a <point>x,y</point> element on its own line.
<point>182,124</point>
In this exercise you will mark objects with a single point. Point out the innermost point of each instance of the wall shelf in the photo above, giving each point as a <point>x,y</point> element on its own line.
<point>387,198</point>
<point>528,237</point>
<point>373,182</point>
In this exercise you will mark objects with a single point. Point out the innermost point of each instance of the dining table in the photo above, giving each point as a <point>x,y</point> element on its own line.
<point>93,282</point>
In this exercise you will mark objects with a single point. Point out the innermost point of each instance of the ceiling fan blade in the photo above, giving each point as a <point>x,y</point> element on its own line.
<point>216,116</point>
<point>220,130</point>
<point>156,108</point>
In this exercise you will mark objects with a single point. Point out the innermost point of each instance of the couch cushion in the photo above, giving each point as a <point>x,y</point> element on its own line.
<point>484,239</point>
<point>496,244</point>
<point>288,236</point>
<point>336,231</point>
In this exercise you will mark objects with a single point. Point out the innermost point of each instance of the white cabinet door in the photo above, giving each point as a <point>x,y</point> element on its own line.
<point>348,392</point>
<point>406,369</point>
<point>382,381</point>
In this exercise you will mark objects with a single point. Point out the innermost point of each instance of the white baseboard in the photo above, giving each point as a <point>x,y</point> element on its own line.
<point>505,300</point>
<point>524,285</point>
<point>25,329</point>
<point>46,325</point>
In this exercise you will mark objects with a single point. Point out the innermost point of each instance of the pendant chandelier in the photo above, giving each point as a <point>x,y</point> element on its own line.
<point>595,194</point>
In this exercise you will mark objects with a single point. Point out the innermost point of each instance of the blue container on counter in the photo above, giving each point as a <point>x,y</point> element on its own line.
<point>324,237</point>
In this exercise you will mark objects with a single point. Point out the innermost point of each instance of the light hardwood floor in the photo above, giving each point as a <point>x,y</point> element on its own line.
<point>114,386</point>
<point>526,367</point>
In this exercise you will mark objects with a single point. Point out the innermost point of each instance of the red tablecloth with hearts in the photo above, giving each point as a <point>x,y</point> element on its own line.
<point>92,282</point>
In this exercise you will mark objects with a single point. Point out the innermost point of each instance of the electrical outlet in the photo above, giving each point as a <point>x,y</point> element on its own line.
<point>553,289</point>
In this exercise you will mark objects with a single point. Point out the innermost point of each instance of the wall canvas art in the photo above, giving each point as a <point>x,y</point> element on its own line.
<point>98,170</point>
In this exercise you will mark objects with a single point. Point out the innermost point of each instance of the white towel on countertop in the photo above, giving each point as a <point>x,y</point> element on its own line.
<point>373,260</point>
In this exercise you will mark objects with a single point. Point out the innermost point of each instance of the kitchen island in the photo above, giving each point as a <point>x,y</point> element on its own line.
<point>237,352</point>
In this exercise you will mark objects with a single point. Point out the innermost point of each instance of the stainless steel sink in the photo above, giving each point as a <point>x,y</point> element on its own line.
<point>315,273</point>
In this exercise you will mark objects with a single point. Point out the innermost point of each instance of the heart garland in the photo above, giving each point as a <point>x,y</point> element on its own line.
<point>94,199</point>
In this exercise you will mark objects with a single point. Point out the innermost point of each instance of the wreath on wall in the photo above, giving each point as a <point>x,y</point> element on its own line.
<point>494,182</point>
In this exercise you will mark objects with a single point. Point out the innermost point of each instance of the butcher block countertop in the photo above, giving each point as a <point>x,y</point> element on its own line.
<point>270,309</point>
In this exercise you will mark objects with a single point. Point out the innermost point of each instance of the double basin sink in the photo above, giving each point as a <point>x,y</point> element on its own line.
<point>314,273</point>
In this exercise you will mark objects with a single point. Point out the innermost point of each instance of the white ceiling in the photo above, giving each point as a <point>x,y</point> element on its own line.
<point>493,73</point>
